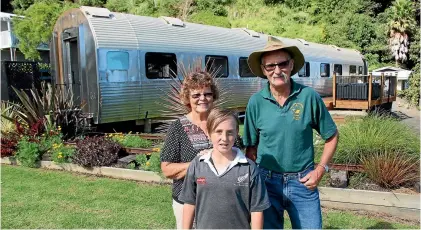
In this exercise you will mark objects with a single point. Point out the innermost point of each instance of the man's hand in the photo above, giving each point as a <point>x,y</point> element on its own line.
<point>313,178</point>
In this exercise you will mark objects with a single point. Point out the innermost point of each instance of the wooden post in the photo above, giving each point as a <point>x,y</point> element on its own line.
<point>334,90</point>
<point>396,86</point>
<point>381,87</point>
<point>370,90</point>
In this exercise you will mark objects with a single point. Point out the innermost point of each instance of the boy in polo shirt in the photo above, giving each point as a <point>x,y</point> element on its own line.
<point>278,128</point>
<point>223,189</point>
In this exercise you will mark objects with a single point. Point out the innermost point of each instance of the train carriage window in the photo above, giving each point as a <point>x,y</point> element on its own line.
<point>244,68</point>
<point>117,60</point>
<point>160,65</point>
<point>337,68</point>
<point>305,71</point>
<point>217,64</point>
<point>352,69</point>
<point>324,70</point>
<point>117,66</point>
<point>360,70</point>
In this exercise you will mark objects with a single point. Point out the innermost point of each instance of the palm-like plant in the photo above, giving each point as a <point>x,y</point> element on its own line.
<point>402,21</point>
<point>172,107</point>
<point>8,110</point>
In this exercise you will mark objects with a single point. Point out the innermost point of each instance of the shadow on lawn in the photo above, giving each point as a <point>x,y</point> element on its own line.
<point>381,225</point>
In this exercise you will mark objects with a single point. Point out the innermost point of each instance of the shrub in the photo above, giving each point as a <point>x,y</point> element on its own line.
<point>208,18</point>
<point>61,153</point>
<point>130,141</point>
<point>28,152</point>
<point>374,134</point>
<point>95,151</point>
<point>391,169</point>
<point>149,162</point>
<point>9,144</point>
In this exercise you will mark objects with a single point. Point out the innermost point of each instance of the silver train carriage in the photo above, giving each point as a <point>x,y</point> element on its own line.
<point>120,64</point>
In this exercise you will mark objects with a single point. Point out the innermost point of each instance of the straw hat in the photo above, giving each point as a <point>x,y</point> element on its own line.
<point>273,44</point>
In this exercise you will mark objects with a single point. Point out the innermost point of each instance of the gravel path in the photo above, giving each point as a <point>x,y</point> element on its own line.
<point>408,115</point>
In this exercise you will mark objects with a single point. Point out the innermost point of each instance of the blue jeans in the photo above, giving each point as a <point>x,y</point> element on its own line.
<point>286,192</point>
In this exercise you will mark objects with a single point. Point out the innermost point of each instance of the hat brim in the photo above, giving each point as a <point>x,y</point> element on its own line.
<point>254,60</point>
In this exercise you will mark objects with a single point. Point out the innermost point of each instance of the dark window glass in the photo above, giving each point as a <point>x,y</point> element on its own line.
<point>305,71</point>
<point>352,69</point>
<point>217,65</point>
<point>160,65</point>
<point>244,68</point>
<point>338,69</point>
<point>325,70</point>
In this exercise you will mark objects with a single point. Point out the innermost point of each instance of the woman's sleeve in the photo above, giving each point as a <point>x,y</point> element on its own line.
<point>172,146</point>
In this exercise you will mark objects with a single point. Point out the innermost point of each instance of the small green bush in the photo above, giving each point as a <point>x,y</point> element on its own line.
<point>372,135</point>
<point>28,152</point>
<point>130,141</point>
<point>150,162</point>
<point>61,153</point>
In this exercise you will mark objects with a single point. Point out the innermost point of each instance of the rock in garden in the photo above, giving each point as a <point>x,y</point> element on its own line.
<point>123,162</point>
<point>338,179</point>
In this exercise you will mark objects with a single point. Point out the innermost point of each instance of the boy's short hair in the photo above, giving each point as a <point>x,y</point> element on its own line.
<point>217,116</point>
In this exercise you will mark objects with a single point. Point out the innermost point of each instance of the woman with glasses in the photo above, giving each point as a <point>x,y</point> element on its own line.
<point>187,136</point>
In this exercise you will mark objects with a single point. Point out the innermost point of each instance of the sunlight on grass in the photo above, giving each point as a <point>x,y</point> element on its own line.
<point>37,198</point>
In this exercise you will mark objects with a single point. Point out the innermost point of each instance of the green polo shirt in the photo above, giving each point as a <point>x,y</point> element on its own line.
<point>284,134</point>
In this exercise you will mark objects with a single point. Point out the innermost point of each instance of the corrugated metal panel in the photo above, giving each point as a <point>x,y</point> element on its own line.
<point>127,31</point>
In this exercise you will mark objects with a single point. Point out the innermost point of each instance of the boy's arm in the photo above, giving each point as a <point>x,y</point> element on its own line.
<point>188,216</point>
<point>257,220</point>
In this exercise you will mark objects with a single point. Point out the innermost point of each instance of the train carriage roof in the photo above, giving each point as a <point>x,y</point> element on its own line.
<point>114,30</point>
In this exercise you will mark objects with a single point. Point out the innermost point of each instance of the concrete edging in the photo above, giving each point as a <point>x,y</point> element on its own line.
<point>404,206</point>
<point>120,173</point>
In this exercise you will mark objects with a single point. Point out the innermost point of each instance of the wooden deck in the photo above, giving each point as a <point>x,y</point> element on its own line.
<point>333,103</point>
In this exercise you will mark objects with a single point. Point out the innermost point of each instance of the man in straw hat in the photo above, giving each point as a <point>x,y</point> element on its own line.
<point>278,130</point>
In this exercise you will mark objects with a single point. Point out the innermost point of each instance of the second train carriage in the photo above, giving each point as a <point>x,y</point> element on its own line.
<point>120,64</point>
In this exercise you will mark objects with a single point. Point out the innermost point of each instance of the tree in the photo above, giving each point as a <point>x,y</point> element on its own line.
<point>37,26</point>
<point>402,20</point>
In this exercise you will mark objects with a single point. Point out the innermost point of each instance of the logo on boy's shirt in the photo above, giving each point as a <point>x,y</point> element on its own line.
<point>201,180</point>
<point>242,180</point>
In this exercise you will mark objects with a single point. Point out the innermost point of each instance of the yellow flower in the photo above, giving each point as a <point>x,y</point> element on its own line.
<point>59,128</point>
<point>59,156</point>
<point>156,149</point>
<point>148,163</point>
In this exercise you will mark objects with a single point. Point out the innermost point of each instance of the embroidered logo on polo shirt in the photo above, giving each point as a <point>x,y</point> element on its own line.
<point>297,110</point>
<point>240,179</point>
<point>201,180</point>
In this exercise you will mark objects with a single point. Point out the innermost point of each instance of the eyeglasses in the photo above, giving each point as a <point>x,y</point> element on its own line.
<point>272,66</point>
<point>197,95</point>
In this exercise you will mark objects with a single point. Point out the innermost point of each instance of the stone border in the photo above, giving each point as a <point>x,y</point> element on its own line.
<point>404,206</point>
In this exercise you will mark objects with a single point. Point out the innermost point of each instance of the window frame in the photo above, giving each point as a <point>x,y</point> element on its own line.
<point>240,69</point>
<point>360,70</point>
<point>207,57</point>
<point>306,68</point>
<point>147,73</point>
<point>328,69</point>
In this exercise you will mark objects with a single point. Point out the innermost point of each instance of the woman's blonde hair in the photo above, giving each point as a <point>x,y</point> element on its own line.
<point>197,80</point>
<point>217,116</point>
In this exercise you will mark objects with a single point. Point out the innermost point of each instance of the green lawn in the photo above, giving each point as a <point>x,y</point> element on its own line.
<point>37,198</point>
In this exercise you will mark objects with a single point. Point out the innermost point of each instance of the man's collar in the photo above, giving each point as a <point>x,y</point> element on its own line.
<point>295,88</point>
<point>239,158</point>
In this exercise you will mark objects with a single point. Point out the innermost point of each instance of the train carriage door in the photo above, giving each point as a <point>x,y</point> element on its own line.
<point>71,62</point>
